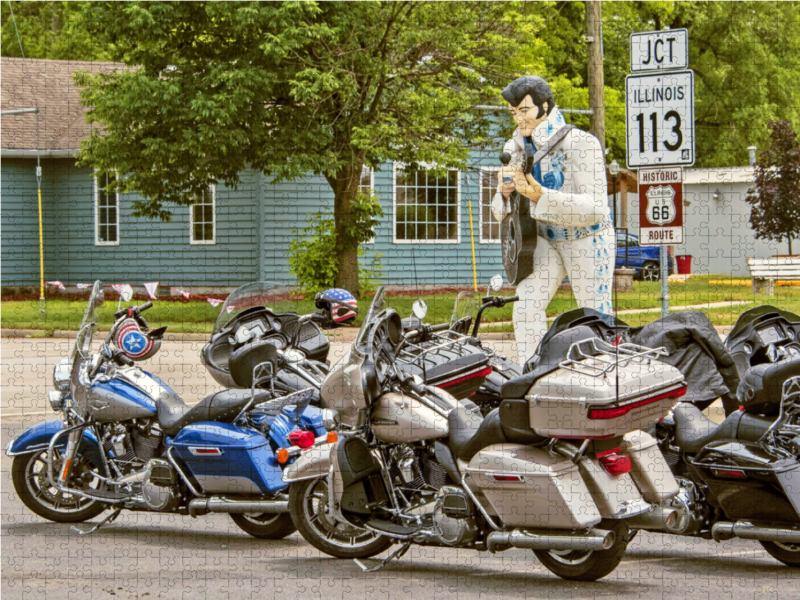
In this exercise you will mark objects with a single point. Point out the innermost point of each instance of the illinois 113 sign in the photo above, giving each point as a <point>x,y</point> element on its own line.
<point>659,118</point>
<point>661,206</point>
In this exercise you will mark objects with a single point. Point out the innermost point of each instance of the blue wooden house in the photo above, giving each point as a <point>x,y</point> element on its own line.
<point>230,236</point>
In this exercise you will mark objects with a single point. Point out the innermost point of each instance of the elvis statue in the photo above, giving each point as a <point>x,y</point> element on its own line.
<point>568,200</point>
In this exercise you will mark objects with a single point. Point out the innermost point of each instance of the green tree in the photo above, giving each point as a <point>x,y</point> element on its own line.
<point>775,200</point>
<point>56,30</point>
<point>293,88</point>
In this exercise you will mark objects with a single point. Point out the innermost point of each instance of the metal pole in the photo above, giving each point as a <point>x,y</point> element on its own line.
<point>472,241</point>
<point>664,281</point>
<point>20,111</point>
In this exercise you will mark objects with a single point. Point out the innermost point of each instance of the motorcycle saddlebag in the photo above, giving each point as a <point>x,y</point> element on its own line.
<point>749,481</point>
<point>225,458</point>
<point>761,388</point>
<point>528,487</point>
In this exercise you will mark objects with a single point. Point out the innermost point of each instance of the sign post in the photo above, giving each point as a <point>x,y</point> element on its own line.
<point>659,122</point>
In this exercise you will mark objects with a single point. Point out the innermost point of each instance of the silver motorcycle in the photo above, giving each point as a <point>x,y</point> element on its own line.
<point>559,468</point>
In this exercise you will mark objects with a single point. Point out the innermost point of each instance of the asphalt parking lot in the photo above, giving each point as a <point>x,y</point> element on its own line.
<point>145,555</point>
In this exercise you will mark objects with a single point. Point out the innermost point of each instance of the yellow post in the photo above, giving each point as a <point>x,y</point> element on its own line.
<point>41,249</point>
<point>472,241</point>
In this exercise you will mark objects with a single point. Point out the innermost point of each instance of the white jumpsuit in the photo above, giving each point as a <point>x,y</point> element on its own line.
<point>576,235</point>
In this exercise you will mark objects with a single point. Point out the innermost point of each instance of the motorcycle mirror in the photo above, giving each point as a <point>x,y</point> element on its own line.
<point>420,309</point>
<point>496,282</point>
<point>127,293</point>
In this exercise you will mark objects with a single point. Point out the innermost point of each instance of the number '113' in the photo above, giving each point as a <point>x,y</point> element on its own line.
<point>676,129</point>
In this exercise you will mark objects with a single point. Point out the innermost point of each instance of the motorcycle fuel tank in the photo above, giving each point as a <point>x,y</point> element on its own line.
<point>117,400</point>
<point>399,418</point>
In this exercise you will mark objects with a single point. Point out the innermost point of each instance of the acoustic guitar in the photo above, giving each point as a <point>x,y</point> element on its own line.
<point>518,232</point>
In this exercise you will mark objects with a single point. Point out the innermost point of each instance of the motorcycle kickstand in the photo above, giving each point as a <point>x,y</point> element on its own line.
<point>396,554</point>
<point>109,519</point>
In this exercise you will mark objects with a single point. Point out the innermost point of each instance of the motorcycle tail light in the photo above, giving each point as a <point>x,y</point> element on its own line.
<point>333,437</point>
<point>615,464</point>
<point>282,455</point>
<point>302,439</point>
<point>619,411</point>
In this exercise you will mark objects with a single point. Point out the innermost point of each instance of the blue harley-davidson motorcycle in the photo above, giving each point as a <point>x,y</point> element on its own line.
<point>126,441</point>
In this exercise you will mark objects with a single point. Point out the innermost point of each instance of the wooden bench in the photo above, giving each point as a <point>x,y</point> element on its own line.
<point>766,271</point>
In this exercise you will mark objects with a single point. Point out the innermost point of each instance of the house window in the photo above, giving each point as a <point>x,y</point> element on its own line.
<point>203,218</point>
<point>106,212</point>
<point>490,228</point>
<point>426,206</point>
<point>367,186</point>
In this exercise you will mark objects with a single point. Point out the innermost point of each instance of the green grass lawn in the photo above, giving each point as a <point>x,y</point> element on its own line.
<point>198,317</point>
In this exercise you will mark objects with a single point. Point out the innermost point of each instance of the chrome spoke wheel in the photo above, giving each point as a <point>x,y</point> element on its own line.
<point>570,557</point>
<point>325,525</point>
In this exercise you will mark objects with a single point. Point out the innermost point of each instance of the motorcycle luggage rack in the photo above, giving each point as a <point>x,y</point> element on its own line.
<point>596,357</point>
<point>414,354</point>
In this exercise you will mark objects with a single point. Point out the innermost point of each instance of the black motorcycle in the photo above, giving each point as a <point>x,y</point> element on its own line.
<point>253,329</point>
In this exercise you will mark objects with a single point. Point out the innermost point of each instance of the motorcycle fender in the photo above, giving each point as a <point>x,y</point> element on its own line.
<point>311,464</point>
<point>38,437</point>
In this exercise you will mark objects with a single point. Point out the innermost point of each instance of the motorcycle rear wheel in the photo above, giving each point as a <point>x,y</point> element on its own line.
<point>29,475</point>
<point>788,554</point>
<point>588,565</point>
<point>266,526</point>
<point>308,501</point>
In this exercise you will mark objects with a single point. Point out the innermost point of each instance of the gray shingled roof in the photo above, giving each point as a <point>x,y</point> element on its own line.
<point>48,84</point>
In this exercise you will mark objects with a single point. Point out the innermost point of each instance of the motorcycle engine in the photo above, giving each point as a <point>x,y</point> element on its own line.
<point>690,509</point>
<point>160,487</point>
<point>453,517</point>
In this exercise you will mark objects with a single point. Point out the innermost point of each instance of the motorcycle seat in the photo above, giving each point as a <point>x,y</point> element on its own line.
<point>469,434</point>
<point>694,430</point>
<point>223,407</point>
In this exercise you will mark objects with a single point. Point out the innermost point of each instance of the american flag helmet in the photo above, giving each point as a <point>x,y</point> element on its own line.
<point>339,305</point>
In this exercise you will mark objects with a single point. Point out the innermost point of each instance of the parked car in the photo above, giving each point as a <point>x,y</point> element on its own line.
<point>645,260</point>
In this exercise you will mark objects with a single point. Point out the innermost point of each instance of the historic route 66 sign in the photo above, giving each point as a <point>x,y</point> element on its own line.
<point>661,206</point>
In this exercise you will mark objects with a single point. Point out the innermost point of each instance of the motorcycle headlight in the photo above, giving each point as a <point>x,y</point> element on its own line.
<point>56,400</point>
<point>61,375</point>
<point>330,419</point>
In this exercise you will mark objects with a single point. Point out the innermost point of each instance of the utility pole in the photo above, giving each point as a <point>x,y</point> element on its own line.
<point>594,40</point>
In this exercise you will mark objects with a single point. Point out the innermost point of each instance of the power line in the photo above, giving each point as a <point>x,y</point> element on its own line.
<point>13,20</point>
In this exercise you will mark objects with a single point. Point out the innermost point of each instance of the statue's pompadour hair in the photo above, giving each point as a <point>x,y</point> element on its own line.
<point>530,85</point>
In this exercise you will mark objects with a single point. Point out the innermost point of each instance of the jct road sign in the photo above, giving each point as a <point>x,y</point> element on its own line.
<point>659,116</point>
<point>661,206</point>
<point>660,50</point>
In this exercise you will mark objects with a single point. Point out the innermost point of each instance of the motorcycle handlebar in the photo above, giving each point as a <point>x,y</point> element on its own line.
<point>442,327</point>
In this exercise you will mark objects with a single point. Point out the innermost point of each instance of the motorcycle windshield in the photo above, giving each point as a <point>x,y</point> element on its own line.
<point>467,304</point>
<point>83,341</point>
<point>275,296</point>
<point>377,305</point>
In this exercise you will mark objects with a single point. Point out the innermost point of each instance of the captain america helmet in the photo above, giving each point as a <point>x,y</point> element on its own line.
<point>135,343</point>
<point>340,306</point>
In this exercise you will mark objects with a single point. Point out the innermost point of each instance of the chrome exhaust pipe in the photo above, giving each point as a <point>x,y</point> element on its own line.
<point>727,530</point>
<point>218,504</point>
<point>596,539</point>
<point>659,518</point>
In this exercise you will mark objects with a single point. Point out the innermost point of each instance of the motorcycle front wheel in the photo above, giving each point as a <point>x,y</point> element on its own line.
<point>308,505</point>
<point>265,526</point>
<point>587,565</point>
<point>29,475</point>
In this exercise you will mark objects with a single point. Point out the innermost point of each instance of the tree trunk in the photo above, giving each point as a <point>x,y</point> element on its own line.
<point>595,79</point>
<point>345,188</point>
<point>790,245</point>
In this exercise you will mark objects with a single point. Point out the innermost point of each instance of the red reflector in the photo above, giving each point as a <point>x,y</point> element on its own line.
<point>615,464</point>
<point>618,411</point>
<point>482,373</point>
<point>302,439</point>
<point>729,473</point>
<point>508,478</point>
<point>607,452</point>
